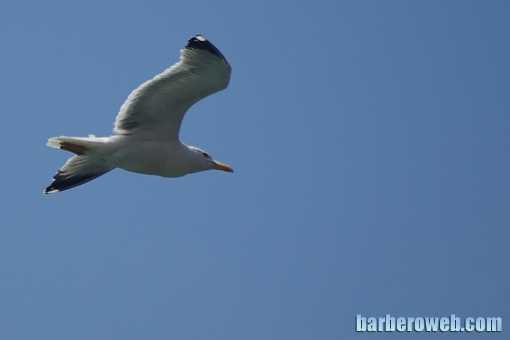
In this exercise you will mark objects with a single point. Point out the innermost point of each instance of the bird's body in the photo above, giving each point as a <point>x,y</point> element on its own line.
<point>147,126</point>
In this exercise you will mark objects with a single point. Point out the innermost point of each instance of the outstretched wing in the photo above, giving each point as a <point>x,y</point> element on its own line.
<point>77,171</point>
<point>156,107</point>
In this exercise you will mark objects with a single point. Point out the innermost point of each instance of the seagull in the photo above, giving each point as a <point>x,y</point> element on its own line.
<point>146,130</point>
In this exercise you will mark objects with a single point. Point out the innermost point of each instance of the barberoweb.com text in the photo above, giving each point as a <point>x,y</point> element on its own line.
<point>452,323</point>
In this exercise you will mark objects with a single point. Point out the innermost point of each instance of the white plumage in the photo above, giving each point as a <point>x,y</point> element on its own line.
<point>147,126</point>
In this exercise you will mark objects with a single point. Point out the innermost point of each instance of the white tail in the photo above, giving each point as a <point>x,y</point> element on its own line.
<point>76,143</point>
<point>81,168</point>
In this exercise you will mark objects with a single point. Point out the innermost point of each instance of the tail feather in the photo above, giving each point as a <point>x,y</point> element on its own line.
<point>76,143</point>
<point>78,170</point>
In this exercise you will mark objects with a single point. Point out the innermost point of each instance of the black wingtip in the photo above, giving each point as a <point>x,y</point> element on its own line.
<point>50,190</point>
<point>199,42</point>
<point>62,181</point>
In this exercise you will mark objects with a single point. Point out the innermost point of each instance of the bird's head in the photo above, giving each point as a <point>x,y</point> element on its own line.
<point>207,162</point>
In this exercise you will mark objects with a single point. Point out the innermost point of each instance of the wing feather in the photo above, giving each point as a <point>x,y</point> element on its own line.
<point>156,107</point>
<point>77,171</point>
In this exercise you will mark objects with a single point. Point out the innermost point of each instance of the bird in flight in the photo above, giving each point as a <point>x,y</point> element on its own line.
<point>146,138</point>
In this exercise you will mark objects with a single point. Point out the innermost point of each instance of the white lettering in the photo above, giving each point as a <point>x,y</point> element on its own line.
<point>372,325</point>
<point>390,323</point>
<point>361,323</point>
<point>419,324</point>
<point>427,324</point>
<point>431,324</point>
<point>493,324</point>
<point>469,324</point>
<point>381,324</point>
<point>443,324</point>
<point>410,322</point>
<point>480,324</point>
<point>401,324</point>
<point>454,323</point>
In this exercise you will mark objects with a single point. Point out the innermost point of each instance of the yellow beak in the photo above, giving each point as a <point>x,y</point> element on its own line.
<point>222,167</point>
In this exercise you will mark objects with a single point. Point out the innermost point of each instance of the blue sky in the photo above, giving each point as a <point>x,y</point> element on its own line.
<point>370,146</point>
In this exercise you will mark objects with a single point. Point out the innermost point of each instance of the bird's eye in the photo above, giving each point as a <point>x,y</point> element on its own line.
<point>206,155</point>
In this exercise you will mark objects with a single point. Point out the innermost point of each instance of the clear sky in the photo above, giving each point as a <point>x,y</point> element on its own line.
<point>370,143</point>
